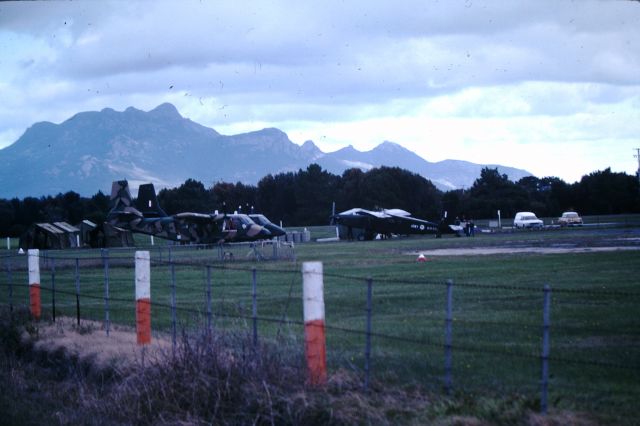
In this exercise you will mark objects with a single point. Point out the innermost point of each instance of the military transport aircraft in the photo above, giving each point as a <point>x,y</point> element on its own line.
<point>364,224</point>
<point>199,228</point>
<point>125,215</point>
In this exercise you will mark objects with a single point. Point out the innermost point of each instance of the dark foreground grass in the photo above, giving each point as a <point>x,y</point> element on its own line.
<point>497,309</point>
<point>222,379</point>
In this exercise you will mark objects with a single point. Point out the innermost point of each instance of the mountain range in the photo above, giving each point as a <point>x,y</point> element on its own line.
<point>91,149</point>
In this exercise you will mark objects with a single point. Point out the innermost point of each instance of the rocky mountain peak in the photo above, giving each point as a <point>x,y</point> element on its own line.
<point>164,110</point>
<point>390,147</point>
<point>91,149</point>
<point>310,148</point>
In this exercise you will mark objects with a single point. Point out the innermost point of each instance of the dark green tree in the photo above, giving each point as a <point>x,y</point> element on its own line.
<point>276,198</point>
<point>236,197</point>
<point>606,192</point>
<point>97,208</point>
<point>7,218</point>
<point>392,187</point>
<point>191,196</point>
<point>349,192</point>
<point>315,190</point>
<point>492,192</point>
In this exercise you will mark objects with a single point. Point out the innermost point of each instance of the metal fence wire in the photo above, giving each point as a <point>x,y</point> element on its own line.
<point>384,329</point>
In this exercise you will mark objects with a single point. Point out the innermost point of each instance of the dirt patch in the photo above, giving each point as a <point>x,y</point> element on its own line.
<point>90,342</point>
<point>478,251</point>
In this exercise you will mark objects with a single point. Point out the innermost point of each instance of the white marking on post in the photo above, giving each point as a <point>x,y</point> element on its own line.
<point>34,266</point>
<point>143,275</point>
<point>33,256</point>
<point>143,297</point>
<point>313,291</point>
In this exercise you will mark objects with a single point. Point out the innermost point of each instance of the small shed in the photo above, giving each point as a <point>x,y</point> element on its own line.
<point>72,234</point>
<point>87,230</point>
<point>117,237</point>
<point>43,236</point>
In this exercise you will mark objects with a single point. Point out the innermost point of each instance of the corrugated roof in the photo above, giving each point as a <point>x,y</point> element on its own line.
<point>49,228</point>
<point>66,227</point>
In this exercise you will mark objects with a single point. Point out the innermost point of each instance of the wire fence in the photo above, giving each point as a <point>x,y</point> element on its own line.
<point>559,346</point>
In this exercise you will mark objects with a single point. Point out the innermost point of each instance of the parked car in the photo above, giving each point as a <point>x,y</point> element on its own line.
<point>570,219</point>
<point>526,220</point>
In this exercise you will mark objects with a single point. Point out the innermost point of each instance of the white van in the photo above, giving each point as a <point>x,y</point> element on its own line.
<point>526,220</point>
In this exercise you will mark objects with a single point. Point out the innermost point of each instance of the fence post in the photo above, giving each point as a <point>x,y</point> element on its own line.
<point>143,297</point>
<point>314,334</point>
<point>78,290</point>
<point>174,329</point>
<point>546,324</point>
<point>448,327</point>
<point>105,262</point>
<point>367,349</point>
<point>209,298</point>
<point>254,310</point>
<point>53,289</point>
<point>34,282</point>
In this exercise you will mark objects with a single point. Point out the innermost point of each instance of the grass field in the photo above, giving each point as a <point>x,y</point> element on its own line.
<point>497,308</point>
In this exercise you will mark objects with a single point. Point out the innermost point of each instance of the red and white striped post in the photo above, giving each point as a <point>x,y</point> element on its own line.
<point>34,282</point>
<point>314,334</point>
<point>143,297</point>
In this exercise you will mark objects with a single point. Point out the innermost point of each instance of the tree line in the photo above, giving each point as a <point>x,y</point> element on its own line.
<point>306,197</point>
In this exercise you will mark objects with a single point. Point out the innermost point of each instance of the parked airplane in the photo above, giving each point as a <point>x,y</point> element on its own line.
<point>262,220</point>
<point>364,224</point>
<point>125,215</point>
<point>247,229</point>
<point>201,228</point>
<point>198,228</point>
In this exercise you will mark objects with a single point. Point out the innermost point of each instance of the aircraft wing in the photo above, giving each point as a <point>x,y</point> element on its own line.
<point>397,212</point>
<point>361,212</point>
<point>198,217</point>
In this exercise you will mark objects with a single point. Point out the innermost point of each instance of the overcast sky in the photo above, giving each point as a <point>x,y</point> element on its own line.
<point>552,87</point>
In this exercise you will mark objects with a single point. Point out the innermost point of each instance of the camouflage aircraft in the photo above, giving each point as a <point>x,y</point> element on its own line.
<point>364,224</point>
<point>199,228</point>
<point>262,220</point>
<point>125,215</point>
<point>247,229</point>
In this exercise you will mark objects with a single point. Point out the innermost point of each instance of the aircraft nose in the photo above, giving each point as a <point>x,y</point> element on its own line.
<point>257,231</point>
<point>277,231</point>
<point>264,233</point>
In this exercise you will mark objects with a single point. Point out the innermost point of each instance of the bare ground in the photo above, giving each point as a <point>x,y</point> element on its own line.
<point>89,342</point>
<point>477,251</point>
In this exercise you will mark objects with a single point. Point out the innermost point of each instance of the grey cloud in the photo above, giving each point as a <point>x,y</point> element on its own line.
<point>352,49</point>
<point>272,60</point>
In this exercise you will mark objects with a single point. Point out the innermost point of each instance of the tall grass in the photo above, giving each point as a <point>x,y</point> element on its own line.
<point>222,378</point>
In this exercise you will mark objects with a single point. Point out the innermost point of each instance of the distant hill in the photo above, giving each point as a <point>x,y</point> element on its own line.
<point>91,149</point>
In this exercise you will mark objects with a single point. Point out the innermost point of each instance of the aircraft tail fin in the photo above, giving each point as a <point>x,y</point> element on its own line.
<point>120,196</point>
<point>147,201</point>
<point>120,201</point>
